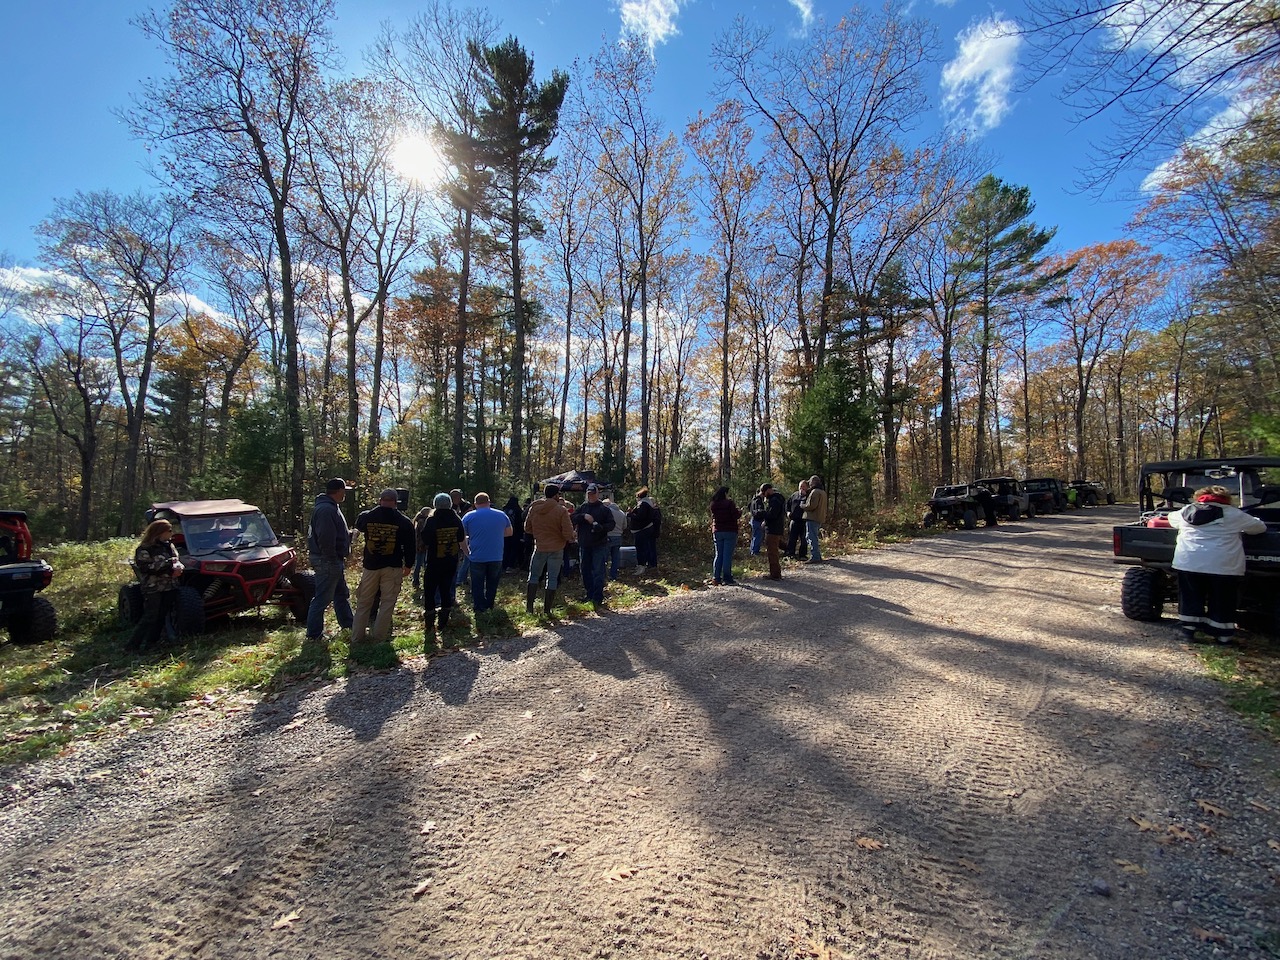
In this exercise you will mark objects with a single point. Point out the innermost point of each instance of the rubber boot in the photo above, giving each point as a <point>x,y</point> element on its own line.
<point>548,601</point>
<point>530,592</point>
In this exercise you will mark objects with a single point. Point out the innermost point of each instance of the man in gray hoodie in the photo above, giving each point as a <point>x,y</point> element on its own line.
<point>329,541</point>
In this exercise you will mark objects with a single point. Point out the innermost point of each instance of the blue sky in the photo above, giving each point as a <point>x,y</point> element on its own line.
<point>69,64</point>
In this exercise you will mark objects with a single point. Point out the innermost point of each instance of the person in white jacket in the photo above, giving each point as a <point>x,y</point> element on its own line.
<point>1210,562</point>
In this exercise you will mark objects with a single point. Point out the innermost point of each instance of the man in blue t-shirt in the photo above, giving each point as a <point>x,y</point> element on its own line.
<point>487,530</point>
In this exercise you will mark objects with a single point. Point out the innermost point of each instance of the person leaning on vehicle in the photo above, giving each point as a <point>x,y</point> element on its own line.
<point>387,556</point>
<point>158,566</point>
<point>1210,562</point>
<point>329,542</point>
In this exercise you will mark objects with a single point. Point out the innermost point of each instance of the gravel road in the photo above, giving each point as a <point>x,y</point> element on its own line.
<point>950,748</point>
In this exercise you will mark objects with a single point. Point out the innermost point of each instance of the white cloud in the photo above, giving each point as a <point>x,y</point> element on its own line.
<point>976,84</point>
<point>655,20</point>
<point>805,8</point>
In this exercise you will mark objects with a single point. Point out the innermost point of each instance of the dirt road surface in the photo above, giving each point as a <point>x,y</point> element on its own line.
<point>950,748</point>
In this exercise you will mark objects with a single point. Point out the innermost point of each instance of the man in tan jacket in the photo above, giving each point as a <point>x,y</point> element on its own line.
<point>548,522</point>
<point>815,514</point>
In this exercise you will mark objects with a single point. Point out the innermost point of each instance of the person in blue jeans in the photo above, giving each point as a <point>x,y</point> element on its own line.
<point>329,542</point>
<point>487,531</point>
<point>725,517</point>
<point>593,521</point>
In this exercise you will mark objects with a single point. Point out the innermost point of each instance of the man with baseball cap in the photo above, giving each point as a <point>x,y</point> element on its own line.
<point>329,542</point>
<point>387,557</point>
<point>593,521</point>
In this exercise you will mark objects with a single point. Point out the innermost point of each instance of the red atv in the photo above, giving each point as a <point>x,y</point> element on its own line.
<point>29,617</point>
<point>232,561</point>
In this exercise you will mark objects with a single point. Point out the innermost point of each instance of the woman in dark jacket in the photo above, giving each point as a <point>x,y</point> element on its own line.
<point>724,528</point>
<point>156,561</point>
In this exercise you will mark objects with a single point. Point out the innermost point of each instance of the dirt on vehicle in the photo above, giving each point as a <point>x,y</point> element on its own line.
<point>880,756</point>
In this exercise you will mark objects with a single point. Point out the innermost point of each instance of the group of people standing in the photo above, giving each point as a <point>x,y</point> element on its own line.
<point>455,540</point>
<point>771,516</point>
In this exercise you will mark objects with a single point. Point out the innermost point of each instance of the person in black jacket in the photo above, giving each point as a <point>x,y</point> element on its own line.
<point>513,548</point>
<point>593,521</point>
<point>443,541</point>
<point>329,542</point>
<point>775,521</point>
<point>797,546</point>
<point>387,557</point>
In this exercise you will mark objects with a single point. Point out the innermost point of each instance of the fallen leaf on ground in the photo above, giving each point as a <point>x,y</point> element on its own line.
<point>421,888</point>
<point>1143,825</point>
<point>1207,830</point>
<point>1211,808</point>
<point>293,725</point>
<point>1208,936</point>
<point>287,920</point>
<point>620,873</point>
<point>527,715</point>
<point>1260,806</point>
<point>586,776</point>
<point>1180,832</point>
<point>231,868</point>
<point>1015,794</point>
<point>256,793</point>
<point>866,843</point>
<point>560,851</point>
<point>428,826</point>
<point>471,737</point>
<point>1130,867</point>
<point>1274,845</point>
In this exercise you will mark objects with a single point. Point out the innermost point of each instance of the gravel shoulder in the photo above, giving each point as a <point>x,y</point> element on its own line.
<point>950,748</point>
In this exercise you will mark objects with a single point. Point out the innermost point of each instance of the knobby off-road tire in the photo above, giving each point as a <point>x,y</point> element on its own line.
<point>186,617</point>
<point>1142,593</point>
<point>129,604</point>
<point>36,624</point>
<point>929,519</point>
<point>1031,511</point>
<point>1013,512</point>
<point>970,520</point>
<point>305,581</point>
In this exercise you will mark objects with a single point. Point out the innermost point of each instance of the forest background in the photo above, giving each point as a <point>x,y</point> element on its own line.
<point>799,280</point>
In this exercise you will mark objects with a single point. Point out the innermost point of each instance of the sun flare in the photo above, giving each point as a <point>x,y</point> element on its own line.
<point>416,157</point>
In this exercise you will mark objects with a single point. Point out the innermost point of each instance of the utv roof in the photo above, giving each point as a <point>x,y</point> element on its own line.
<point>13,514</point>
<point>205,508</point>
<point>1168,466</point>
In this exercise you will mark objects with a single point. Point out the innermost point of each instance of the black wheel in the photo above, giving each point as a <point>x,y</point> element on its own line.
<point>186,616</point>
<point>929,519</point>
<point>1013,512</point>
<point>1031,511</point>
<point>970,520</point>
<point>129,604</point>
<point>305,583</point>
<point>36,624</point>
<point>1111,499</point>
<point>1142,593</point>
<point>1091,500</point>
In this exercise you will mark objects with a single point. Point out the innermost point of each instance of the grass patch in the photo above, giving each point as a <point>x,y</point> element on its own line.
<point>1251,672</point>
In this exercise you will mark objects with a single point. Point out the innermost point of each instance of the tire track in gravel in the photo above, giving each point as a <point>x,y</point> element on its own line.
<point>925,751</point>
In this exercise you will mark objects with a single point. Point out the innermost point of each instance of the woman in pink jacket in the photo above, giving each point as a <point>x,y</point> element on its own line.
<point>1210,562</point>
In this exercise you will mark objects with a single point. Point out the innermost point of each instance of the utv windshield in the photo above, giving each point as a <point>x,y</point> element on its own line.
<point>238,532</point>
